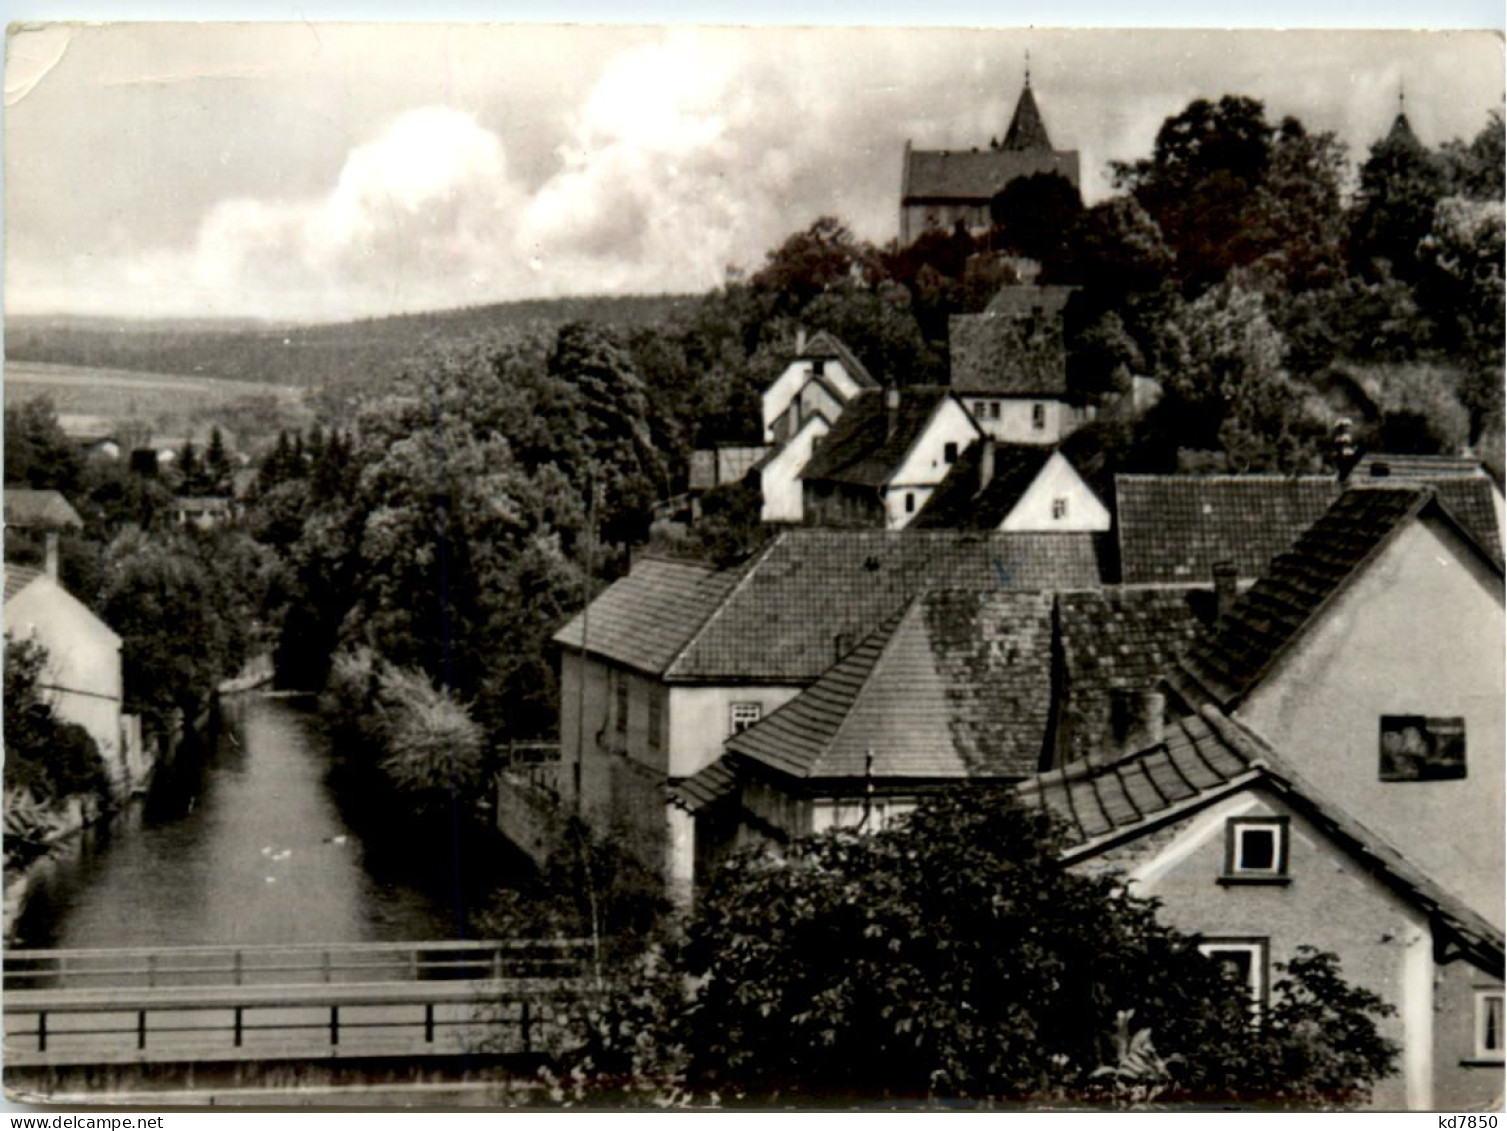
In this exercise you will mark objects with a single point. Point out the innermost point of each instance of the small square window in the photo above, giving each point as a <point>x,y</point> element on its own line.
<point>1489,1039</point>
<point>1255,850</point>
<point>1246,960</point>
<point>1415,748</point>
<point>1059,508</point>
<point>950,452</point>
<point>744,715</point>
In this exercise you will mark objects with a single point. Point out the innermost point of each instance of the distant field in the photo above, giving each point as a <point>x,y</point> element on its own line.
<point>158,398</point>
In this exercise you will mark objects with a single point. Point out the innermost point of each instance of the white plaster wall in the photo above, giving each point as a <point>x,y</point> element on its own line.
<point>83,662</point>
<point>1419,632</point>
<point>925,465</point>
<point>789,384</point>
<point>1015,414</point>
<point>780,478</point>
<point>1058,479</point>
<point>700,721</point>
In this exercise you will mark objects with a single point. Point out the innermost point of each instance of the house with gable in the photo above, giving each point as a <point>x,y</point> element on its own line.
<point>822,377</point>
<point>995,486</point>
<point>885,456</point>
<point>941,188</point>
<point>1371,655</point>
<point>82,678</point>
<point>1241,848</point>
<point>676,658</point>
<point>1009,366</point>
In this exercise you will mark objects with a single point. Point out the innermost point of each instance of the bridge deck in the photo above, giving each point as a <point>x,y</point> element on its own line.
<point>143,1023</point>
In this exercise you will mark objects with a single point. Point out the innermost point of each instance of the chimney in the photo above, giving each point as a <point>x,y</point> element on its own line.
<point>1224,589</point>
<point>1153,712</point>
<point>50,564</point>
<point>800,340</point>
<point>1343,449</point>
<point>986,464</point>
<point>891,410</point>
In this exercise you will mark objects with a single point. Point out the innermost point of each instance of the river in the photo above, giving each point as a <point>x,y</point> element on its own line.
<point>252,842</point>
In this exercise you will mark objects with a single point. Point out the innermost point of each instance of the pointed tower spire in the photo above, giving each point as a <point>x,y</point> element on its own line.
<point>1027,130</point>
<point>1402,129</point>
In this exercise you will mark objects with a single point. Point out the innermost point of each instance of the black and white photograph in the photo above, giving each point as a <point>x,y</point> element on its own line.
<point>604,568</point>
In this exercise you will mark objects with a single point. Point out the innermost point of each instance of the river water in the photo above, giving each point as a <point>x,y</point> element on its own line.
<point>252,842</point>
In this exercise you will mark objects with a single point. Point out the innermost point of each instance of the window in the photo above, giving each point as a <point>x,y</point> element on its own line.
<point>1059,507</point>
<point>994,410</point>
<point>950,452</point>
<point>818,366</point>
<point>622,705</point>
<point>1489,1042</point>
<point>1415,748</point>
<point>656,720</point>
<point>910,502</point>
<point>745,715</point>
<point>1246,959</point>
<point>1255,850</point>
<point>1038,416</point>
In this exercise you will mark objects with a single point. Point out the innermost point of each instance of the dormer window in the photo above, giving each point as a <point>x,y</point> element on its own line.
<point>1255,851</point>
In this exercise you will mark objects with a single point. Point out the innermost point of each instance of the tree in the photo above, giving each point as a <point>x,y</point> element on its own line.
<point>1477,171</point>
<point>1401,183</point>
<point>1034,215</point>
<point>825,257</point>
<point>46,757</point>
<point>952,957</point>
<point>37,453</point>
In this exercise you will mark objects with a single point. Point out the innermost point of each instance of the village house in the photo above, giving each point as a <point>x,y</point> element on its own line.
<point>204,512</point>
<point>1009,366</point>
<point>676,658</point>
<point>943,188</point>
<point>1240,847</point>
<point>822,377</point>
<point>995,486</point>
<point>1371,655</point>
<point>882,460</point>
<point>26,509</point>
<point>82,677</point>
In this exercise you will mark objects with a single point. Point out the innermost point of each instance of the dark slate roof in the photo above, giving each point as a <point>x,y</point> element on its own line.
<point>705,787</point>
<point>1227,660</point>
<point>18,578</point>
<point>861,449</point>
<point>825,345</point>
<point>1206,756</point>
<point>1176,528</point>
<point>958,504</point>
<point>645,619</point>
<point>1023,299</point>
<point>975,175</point>
<point>812,595</point>
<point>1385,465</point>
<point>1027,132</point>
<point>959,686</point>
<point>1118,640</point>
<point>25,507</point>
<point>1007,355</point>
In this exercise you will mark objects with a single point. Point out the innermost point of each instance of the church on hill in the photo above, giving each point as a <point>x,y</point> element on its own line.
<point>940,187</point>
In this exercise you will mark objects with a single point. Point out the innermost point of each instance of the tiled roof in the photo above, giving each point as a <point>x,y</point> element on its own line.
<point>1022,300</point>
<point>959,686</point>
<point>18,578</point>
<point>1118,641</point>
<point>708,785</point>
<point>25,507</point>
<point>862,448</point>
<point>644,619</point>
<point>1176,528</point>
<point>1206,756</point>
<point>958,504</point>
<point>825,345</point>
<point>1229,658</point>
<point>1007,355</point>
<point>975,175</point>
<point>812,595</point>
<point>1386,465</point>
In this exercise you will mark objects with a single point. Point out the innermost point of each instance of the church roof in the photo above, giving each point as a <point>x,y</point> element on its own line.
<point>1027,131</point>
<point>975,175</point>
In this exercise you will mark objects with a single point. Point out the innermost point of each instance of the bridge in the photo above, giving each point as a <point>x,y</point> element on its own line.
<point>317,1002</point>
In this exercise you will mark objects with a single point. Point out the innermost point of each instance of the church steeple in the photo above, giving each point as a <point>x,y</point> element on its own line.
<point>1402,129</point>
<point>1027,130</point>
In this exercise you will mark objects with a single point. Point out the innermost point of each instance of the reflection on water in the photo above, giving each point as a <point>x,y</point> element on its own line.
<point>249,843</point>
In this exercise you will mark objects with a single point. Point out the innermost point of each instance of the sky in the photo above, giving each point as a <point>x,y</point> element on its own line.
<point>320,171</point>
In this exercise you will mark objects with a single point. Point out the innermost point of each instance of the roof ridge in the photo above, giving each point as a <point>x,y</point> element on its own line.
<point>747,567</point>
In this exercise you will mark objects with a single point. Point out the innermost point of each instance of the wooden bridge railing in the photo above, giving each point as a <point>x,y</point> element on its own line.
<point>294,964</point>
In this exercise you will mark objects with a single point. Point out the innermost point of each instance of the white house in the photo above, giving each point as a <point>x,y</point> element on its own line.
<point>1017,487</point>
<point>822,377</point>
